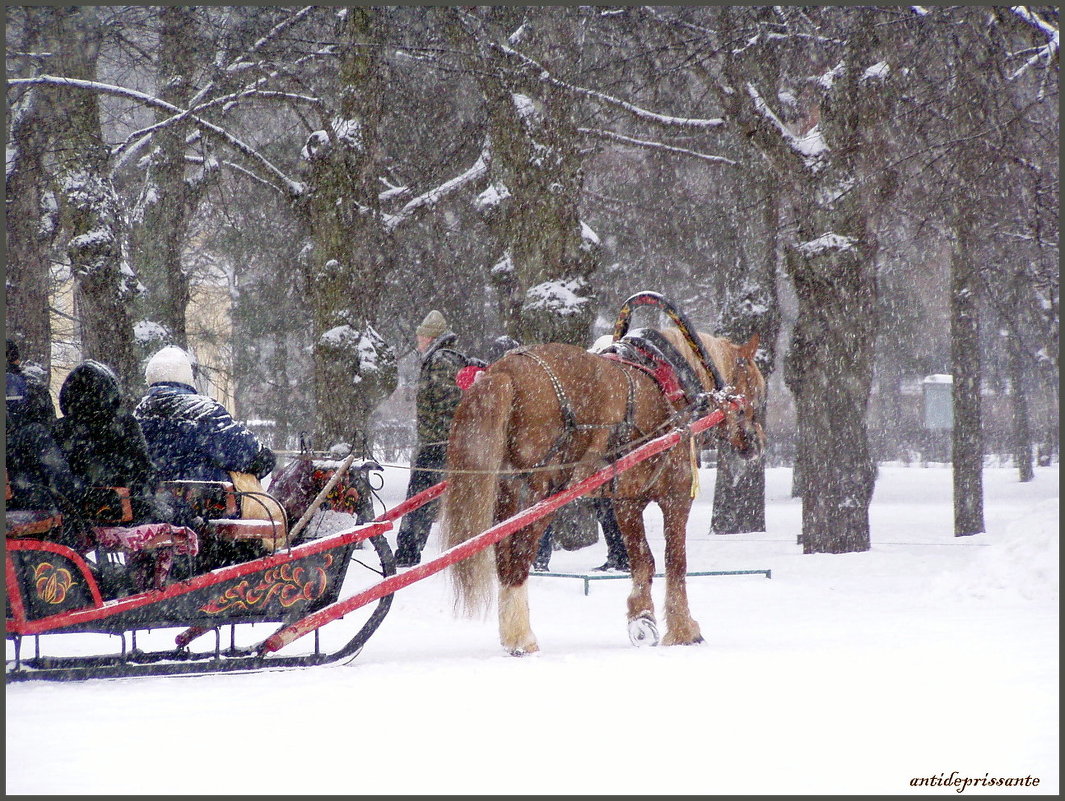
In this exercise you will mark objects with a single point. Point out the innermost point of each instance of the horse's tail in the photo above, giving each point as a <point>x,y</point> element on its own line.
<point>474,456</point>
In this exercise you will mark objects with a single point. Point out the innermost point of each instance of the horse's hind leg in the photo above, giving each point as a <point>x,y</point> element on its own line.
<point>643,629</point>
<point>681,628</point>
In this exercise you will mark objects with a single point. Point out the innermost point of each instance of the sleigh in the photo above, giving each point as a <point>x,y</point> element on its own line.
<point>179,619</point>
<point>308,601</point>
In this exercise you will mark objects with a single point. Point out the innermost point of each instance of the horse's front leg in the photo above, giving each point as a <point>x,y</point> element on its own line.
<point>643,629</point>
<point>514,557</point>
<point>681,628</point>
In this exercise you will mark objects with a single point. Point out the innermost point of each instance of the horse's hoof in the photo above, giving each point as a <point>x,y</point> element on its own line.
<point>643,631</point>
<point>696,640</point>
<point>529,651</point>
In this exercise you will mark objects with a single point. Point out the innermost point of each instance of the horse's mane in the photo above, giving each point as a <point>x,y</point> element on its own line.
<point>721,353</point>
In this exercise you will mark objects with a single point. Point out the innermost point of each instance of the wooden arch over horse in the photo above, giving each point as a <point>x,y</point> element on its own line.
<point>547,416</point>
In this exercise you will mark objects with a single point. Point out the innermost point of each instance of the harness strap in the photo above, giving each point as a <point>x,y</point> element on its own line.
<point>622,431</point>
<point>569,419</point>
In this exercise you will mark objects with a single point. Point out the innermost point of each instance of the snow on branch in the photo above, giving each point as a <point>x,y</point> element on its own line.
<point>641,113</point>
<point>292,187</point>
<point>1049,51</point>
<point>236,168</point>
<point>1036,21</point>
<point>826,243</point>
<point>428,199</point>
<point>272,34</point>
<point>277,29</point>
<point>628,140</point>
<point>138,138</point>
<point>811,146</point>
<point>245,93</point>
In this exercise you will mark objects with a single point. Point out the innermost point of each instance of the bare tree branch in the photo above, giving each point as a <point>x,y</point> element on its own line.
<point>294,188</point>
<point>428,199</point>
<point>641,113</point>
<point>628,140</point>
<point>243,94</point>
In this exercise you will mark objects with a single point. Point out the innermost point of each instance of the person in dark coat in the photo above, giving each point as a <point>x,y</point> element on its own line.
<point>37,469</point>
<point>191,436</point>
<point>617,556</point>
<point>499,347</point>
<point>438,396</point>
<point>103,442</point>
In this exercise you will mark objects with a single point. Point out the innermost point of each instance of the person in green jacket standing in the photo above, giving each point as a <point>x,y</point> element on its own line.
<point>438,395</point>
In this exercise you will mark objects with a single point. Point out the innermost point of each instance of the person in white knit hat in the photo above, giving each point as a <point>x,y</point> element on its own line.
<point>191,436</point>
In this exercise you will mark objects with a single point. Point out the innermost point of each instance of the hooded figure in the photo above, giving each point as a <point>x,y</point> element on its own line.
<point>191,436</point>
<point>102,441</point>
<point>37,470</point>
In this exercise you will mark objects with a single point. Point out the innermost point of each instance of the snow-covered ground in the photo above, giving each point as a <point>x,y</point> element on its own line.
<point>929,657</point>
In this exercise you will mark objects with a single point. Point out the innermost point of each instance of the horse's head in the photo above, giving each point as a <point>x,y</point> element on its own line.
<point>743,427</point>
<point>742,432</point>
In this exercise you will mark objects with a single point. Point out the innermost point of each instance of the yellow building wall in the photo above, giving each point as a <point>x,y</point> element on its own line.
<point>209,327</point>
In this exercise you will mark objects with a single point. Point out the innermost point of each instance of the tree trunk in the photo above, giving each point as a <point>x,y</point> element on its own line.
<point>161,235</point>
<point>967,437</point>
<point>739,501</point>
<point>1022,433</point>
<point>354,368</point>
<point>832,264</point>
<point>89,208</point>
<point>30,229</point>
<point>547,255</point>
<point>834,340</point>
<point>797,470</point>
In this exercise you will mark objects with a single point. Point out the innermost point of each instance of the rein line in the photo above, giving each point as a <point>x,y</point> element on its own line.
<point>616,453</point>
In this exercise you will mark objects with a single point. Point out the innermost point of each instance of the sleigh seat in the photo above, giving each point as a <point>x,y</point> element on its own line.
<point>226,512</point>
<point>29,522</point>
<point>147,551</point>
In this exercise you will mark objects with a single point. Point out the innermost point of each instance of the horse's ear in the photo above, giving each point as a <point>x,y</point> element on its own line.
<point>748,350</point>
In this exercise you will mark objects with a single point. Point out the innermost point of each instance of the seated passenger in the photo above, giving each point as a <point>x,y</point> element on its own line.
<point>104,447</point>
<point>191,436</point>
<point>37,470</point>
<point>103,443</point>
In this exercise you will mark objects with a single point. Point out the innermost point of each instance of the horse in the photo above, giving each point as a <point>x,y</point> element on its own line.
<point>547,416</point>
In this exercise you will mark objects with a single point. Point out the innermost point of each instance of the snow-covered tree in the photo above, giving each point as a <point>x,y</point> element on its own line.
<point>29,196</point>
<point>545,254</point>
<point>90,211</point>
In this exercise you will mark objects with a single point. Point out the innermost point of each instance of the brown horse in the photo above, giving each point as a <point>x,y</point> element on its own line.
<point>547,416</point>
